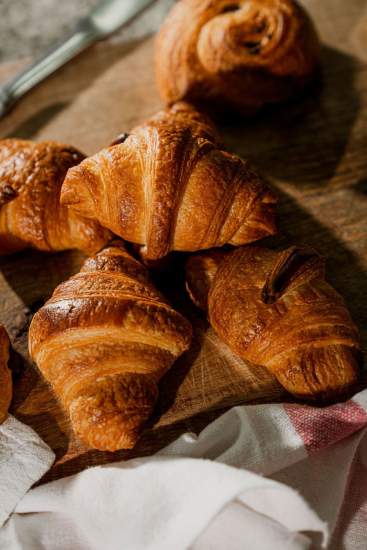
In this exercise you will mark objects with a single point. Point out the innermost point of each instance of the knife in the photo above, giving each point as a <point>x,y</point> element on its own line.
<point>102,21</point>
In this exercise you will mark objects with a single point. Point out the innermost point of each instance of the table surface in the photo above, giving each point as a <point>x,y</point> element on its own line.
<point>29,27</point>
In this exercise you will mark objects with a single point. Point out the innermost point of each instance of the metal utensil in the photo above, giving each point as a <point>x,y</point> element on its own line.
<point>105,19</point>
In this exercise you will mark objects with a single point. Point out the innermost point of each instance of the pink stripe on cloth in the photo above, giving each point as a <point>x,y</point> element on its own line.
<point>321,428</point>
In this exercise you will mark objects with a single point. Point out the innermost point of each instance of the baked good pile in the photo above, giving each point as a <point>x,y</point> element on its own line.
<point>107,336</point>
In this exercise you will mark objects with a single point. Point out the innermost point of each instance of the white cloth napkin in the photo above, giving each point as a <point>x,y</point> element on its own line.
<point>24,458</point>
<point>160,503</point>
<point>210,491</point>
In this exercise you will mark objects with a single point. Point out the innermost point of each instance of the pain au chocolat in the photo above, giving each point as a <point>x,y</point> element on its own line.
<point>235,55</point>
<point>276,309</point>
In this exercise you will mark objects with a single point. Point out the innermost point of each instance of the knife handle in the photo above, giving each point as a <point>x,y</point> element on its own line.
<point>83,36</point>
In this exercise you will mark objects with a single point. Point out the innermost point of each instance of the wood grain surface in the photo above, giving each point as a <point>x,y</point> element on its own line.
<point>314,151</point>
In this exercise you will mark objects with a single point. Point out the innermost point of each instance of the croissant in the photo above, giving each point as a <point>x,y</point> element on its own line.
<point>103,341</point>
<point>239,55</point>
<point>5,375</point>
<point>275,309</point>
<point>168,186</point>
<point>31,175</point>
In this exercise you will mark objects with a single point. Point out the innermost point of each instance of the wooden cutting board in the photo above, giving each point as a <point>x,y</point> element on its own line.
<point>313,149</point>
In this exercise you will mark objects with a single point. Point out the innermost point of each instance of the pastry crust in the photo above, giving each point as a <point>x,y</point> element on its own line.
<point>200,272</point>
<point>5,375</point>
<point>240,55</point>
<point>31,175</point>
<point>275,309</point>
<point>168,186</point>
<point>103,341</point>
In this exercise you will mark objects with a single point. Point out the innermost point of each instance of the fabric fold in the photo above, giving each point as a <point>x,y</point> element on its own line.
<point>159,502</point>
<point>210,490</point>
<point>24,458</point>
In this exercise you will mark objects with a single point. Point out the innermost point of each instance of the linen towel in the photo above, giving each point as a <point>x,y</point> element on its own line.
<point>24,458</point>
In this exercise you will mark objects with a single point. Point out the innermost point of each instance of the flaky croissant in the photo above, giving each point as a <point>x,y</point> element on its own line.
<point>241,55</point>
<point>103,341</point>
<point>275,309</point>
<point>31,175</point>
<point>168,186</point>
<point>5,375</point>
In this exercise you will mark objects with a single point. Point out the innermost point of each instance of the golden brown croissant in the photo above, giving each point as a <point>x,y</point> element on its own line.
<point>241,55</point>
<point>168,186</point>
<point>5,375</point>
<point>275,309</point>
<point>103,341</point>
<point>31,175</point>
